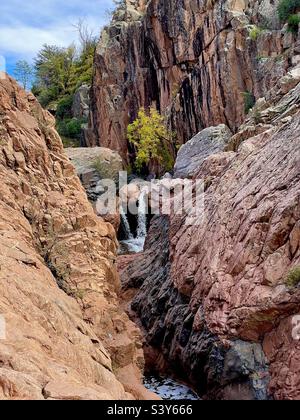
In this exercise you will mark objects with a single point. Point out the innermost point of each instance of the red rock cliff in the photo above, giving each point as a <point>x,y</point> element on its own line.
<point>219,301</point>
<point>193,60</point>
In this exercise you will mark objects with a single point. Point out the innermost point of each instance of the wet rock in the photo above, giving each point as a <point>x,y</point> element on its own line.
<point>168,389</point>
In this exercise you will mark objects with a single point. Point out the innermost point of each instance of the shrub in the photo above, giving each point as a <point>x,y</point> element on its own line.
<point>67,142</point>
<point>293,277</point>
<point>287,8</point>
<point>74,127</point>
<point>249,101</point>
<point>64,107</point>
<point>254,33</point>
<point>152,140</point>
<point>293,21</point>
<point>70,128</point>
<point>257,116</point>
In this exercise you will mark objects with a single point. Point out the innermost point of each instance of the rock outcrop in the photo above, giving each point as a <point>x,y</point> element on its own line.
<point>81,102</point>
<point>95,166</point>
<point>66,335</point>
<point>200,63</point>
<point>193,153</point>
<point>221,302</point>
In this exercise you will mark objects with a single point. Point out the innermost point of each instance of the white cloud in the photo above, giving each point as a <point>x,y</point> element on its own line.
<point>26,26</point>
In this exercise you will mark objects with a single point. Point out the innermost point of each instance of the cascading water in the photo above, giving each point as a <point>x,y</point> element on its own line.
<point>142,216</point>
<point>134,244</point>
<point>125,224</point>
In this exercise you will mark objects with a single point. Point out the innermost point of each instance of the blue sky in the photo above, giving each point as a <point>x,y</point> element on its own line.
<point>25,25</point>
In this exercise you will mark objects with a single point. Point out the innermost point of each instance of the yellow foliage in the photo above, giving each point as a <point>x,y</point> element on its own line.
<point>149,135</point>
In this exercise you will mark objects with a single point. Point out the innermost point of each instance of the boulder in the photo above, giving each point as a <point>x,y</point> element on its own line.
<point>93,165</point>
<point>192,154</point>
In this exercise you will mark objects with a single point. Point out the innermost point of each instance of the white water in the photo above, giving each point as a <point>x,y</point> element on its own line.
<point>133,245</point>
<point>168,389</point>
<point>125,224</point>
<point>142,216</point>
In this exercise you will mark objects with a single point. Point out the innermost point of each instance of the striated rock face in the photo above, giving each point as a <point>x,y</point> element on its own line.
<point>220,303</point>
<point>81,102</point>
<point>66,336</point>
<point>195,61</point>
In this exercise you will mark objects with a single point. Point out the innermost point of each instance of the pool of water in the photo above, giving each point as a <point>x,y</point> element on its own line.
<point>132,246</point>
<point>168,389</point>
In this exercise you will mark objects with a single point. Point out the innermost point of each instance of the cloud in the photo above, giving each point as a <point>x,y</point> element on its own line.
<point>26,26</point>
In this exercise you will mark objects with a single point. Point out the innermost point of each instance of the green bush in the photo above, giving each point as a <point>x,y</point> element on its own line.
<point>70,128</point>
<point>293,21</point>
<point>287,8</point>
<point>254,33</point>
<point>74,128</point>
<point>64,107</point>
<point>293,277</point>
<point>249,101</point>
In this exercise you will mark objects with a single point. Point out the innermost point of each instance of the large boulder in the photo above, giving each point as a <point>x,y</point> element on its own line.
<point>192,154</point>
<point>95,164</point>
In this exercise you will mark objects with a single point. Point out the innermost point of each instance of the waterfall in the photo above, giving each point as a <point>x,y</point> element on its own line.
<point>142,216</point>
<point>136,244</point>
<point>125,223</point>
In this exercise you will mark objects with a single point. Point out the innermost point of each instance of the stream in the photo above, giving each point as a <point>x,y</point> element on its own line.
<point>166,388</point>
<point>133,244</point>
<point>169,389</point>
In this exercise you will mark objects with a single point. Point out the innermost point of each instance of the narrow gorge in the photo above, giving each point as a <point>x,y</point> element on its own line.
<point>120,305</point>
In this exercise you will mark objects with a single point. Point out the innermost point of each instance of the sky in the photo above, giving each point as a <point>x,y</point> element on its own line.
<point>25,25</point>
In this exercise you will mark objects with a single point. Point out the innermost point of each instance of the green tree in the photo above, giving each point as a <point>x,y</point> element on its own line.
<point>151,139</point>
<point>287,8</point>
<point>59,73</point>
<point>24,73</point>
<point>54,68</point>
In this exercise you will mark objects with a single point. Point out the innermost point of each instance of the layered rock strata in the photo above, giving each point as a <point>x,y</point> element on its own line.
<point>200,63</point>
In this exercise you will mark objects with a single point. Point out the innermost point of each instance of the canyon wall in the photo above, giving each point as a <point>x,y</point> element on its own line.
<point>66,336</point>
<point>219,301</point>
<point>197,62</point>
